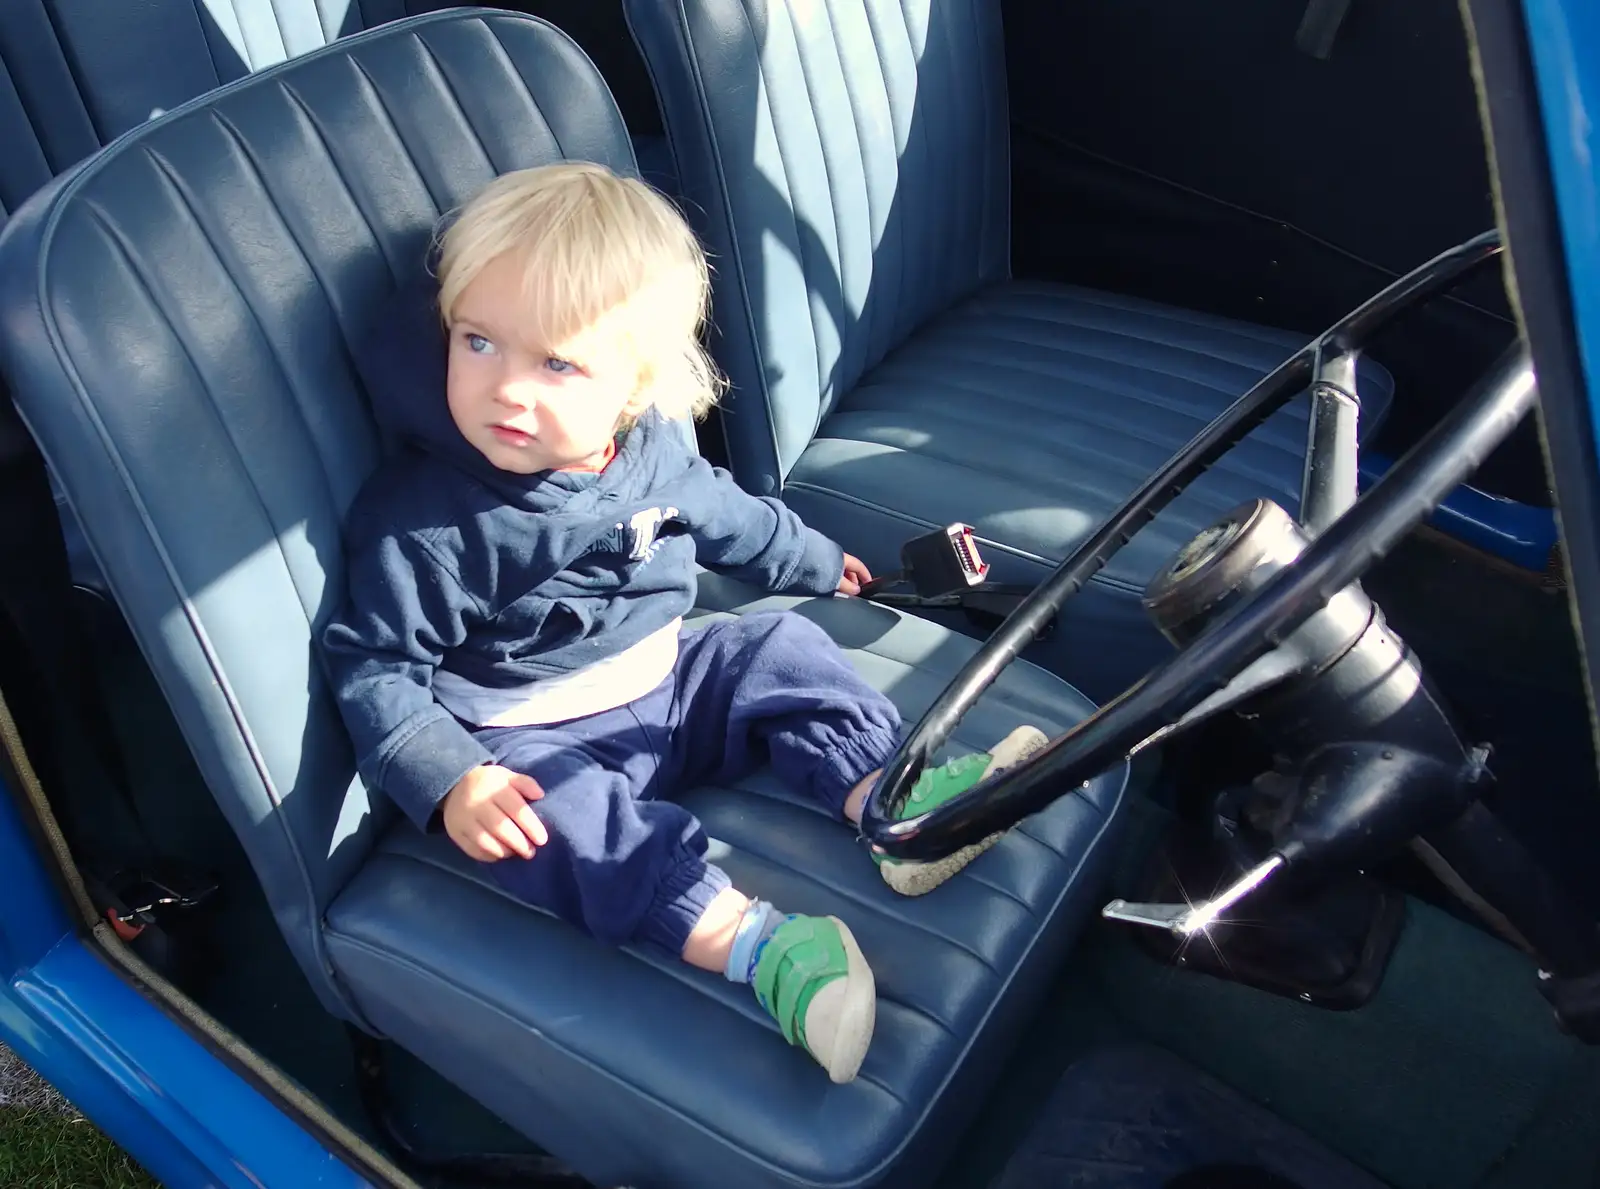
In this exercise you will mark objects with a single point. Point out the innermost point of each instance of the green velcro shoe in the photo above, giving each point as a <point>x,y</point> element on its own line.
<point>812,979</point>
<point>936,786</point>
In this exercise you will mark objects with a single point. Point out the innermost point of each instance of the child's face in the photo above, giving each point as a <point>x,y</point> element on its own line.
<point>527,406</point>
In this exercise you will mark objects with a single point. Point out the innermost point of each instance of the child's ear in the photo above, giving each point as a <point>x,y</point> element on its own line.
<point>642,387</point>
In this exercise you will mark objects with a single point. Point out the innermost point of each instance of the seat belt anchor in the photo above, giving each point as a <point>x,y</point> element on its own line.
<point>143,897</point>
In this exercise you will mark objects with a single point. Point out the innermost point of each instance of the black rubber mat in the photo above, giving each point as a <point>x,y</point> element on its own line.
<point>1136,1117</point>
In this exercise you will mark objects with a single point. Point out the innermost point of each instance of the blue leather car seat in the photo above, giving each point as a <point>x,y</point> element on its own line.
<point>74,74</point>
<point>849,167</point>
<point>175,321</point>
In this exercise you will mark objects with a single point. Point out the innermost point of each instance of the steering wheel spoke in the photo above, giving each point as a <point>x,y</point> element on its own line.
<point>1259,676</point>
<point>1328,485</point>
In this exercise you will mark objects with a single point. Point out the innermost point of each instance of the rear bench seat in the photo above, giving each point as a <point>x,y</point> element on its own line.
<point>75,74</point>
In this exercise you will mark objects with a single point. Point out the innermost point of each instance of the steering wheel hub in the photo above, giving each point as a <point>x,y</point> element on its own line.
<point>1194,556</point>
<point>1232,559</point>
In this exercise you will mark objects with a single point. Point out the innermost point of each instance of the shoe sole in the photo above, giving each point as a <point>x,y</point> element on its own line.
<point>918,879</point>
<point>857,1015</point>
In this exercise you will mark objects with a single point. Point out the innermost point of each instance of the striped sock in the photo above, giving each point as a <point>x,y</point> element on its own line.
<point>758,923</point>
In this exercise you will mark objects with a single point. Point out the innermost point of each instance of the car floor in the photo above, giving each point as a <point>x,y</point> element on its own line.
<point>1454,1076</point>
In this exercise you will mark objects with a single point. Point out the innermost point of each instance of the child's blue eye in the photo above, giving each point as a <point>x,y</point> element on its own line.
<point>479,345</point>
<point>560,366</point>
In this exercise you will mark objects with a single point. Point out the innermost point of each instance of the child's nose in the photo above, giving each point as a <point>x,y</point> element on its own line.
<point>519,393</point>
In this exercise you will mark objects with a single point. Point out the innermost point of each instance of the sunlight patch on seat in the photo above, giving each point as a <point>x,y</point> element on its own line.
<point>265,34</point>
<point>354,810</point>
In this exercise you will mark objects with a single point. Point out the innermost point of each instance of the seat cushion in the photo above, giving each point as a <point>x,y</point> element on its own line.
<point>1031,411</point>
<point>500,997</point>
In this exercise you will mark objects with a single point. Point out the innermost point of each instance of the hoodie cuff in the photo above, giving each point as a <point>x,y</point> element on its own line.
<point>820,567</point>
<point>423,769</point>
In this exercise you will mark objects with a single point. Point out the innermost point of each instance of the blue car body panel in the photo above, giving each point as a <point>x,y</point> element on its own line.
<point>1519,533</point>
<point>191,1120</point>
<point>180,1110</point>
<point>1564,38</point>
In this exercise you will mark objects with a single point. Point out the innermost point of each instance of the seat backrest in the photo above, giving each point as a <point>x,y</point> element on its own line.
<point>44,124</point>
<point>74,74</point>
<point>849,164</point>
<point>175,323</point>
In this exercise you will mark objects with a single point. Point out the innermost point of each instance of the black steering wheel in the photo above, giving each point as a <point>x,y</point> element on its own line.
<point>1240,653</point>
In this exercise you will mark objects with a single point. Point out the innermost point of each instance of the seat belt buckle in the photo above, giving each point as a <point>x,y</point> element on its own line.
<point>945,561</point>
<point>945,570</point>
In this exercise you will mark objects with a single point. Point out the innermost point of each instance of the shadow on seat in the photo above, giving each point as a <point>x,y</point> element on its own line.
<point>177,314</point>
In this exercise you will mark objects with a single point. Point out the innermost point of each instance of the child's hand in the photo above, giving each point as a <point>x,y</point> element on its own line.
<point>488,816</point>
<point>856,575</point>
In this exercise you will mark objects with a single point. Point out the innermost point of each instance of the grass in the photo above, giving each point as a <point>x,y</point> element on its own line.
<point>45,1144</point>
<point>42,1148</point>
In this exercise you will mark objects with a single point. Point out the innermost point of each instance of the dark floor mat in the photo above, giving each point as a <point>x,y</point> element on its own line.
<point>1136,1117</point>
<point>1429,1084</point>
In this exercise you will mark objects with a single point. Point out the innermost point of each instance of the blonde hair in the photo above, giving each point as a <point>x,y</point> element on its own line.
<point>588,243</point>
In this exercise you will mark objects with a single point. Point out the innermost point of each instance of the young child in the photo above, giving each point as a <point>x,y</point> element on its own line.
<point>512,660</point>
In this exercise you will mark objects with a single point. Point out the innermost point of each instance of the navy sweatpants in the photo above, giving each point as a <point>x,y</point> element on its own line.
<point>624,863</point>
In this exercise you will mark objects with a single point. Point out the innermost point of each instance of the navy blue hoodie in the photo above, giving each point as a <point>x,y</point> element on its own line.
<point>505,579</point>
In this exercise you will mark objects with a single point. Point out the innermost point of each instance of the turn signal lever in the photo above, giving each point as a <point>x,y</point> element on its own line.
<point>1352,801</point>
